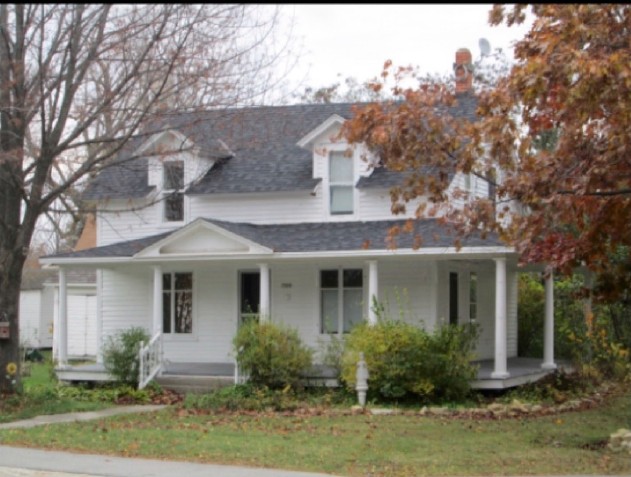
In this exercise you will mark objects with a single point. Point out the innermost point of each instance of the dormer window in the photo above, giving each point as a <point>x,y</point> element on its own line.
<point>341,183</point>
<point>173,190</point>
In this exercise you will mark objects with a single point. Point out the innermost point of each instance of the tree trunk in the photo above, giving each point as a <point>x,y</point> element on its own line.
<point>10,281</point>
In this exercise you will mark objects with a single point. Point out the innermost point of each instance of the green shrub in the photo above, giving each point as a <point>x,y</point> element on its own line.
<point>120,354</point>
<point>530,313</point>
<point>246,397</point>
<point>271,355</point>
<point>107,393</point>
<point>405,361</point>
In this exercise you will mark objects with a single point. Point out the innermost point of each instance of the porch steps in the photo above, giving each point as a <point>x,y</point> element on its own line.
<point>193,384</point>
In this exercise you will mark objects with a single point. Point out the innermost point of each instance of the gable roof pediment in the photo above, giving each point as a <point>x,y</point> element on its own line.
<point>327,130</point>
<point>167,141</point>
<point>203,238</point>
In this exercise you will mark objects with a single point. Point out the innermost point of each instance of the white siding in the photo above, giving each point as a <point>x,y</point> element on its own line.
<point>479,187</point>
<point>126,299</point>
<point>121,220</point>
<point>296,300</point>
<point>47,317</point>
<point>407,291</point>
<point>30,309</point>
<point>214,318</point>
<point>287,207</point>
<point>375,204</point>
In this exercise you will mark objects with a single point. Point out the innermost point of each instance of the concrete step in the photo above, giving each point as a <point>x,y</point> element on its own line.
<point>193,384</point>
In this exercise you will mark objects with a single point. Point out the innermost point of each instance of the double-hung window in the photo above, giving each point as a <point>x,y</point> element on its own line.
<point>173,190</point>
<point>177,303</point>
<point>341,183</point>
<point>341,292</point>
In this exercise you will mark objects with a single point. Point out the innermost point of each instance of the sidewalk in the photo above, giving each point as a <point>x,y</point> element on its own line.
<point>78,416</point>
<point>23,462</point>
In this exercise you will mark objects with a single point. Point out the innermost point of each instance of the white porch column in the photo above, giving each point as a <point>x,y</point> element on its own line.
<point>373,290</point>
<point>157,300</point>
<point>264,305</point>
<point>548,330</point>
<point>62,354</point>
<point>99,316</point>
<point>500,366</point>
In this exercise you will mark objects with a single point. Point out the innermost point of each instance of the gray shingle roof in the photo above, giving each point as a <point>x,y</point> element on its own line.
<point>119,249</point>
<point>310,237</point>
<point>261,154</point>
<point>347,236</point>
<point>34,279</point>
<point>77,276</point>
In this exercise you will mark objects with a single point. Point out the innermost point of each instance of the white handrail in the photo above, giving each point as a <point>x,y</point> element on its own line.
<point>150,358</point>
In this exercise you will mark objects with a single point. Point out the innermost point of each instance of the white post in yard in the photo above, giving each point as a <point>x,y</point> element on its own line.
<point>361,380</point>
<point>373,291</point>
<point>548,330</point>
<point>62,354</point>
<point>500,370</point>
<point>157,300</point>
<point>264,305</point>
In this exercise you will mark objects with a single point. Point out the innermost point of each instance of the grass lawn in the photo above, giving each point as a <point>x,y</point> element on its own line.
<point>357,445</point>
<point>39,397</point>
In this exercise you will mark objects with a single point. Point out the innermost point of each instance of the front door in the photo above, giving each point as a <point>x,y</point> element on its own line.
<point>249,296</point>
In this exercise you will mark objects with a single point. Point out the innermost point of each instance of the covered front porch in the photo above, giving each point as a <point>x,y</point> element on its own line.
<point>227,271</point>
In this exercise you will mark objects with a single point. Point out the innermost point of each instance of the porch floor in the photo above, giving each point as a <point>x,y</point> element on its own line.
<point>521,371</point>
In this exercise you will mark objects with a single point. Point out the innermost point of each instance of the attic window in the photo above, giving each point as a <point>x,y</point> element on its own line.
<point>173,191</point>
<point>341,184</point>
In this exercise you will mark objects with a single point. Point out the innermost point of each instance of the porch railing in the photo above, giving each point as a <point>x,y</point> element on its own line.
<point>150,357</point>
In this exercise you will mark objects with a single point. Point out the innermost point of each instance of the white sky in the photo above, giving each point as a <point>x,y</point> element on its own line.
<point>355,40</point>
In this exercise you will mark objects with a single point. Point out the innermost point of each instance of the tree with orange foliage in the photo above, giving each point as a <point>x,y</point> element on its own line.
<point>557,129</point>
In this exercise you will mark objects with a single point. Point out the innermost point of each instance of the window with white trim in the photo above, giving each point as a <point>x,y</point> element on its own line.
<point>173,191</point>
<point>341,295</point>
<point>341,183</point>
<point>177,303</point>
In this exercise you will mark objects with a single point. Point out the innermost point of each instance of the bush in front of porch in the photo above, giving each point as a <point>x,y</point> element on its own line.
<point>407,362</point>
<point>120,354</point>
<point>271,355</point>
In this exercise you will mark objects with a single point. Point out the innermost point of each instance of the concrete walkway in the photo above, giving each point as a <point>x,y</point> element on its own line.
<point>78,416</point>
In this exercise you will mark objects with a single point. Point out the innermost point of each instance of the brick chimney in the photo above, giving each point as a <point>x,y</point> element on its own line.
<point>463,70</point>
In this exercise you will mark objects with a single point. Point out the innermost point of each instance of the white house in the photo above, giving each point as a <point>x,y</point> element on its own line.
<point>228,213</point>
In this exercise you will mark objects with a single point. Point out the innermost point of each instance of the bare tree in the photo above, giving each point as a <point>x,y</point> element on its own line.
<point>78,81</point>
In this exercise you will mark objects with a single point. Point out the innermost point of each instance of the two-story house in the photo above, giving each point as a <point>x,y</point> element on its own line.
<point>228,214</point>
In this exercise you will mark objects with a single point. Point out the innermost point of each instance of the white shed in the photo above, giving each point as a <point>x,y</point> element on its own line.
<point>36,309</point>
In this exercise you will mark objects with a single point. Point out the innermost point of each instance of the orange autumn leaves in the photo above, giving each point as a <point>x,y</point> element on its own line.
<point>556,131</point>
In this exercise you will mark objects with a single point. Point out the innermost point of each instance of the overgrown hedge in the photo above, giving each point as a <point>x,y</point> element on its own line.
<point>405,361</point>
<point>272,355</point>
